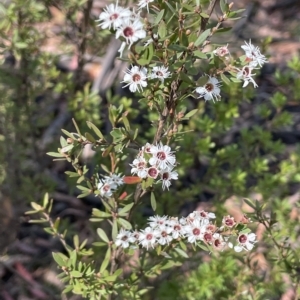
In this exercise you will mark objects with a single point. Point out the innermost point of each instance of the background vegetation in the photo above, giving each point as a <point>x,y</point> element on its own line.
<point>56,64</point>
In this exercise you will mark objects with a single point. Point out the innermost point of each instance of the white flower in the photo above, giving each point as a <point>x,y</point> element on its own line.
<point>166,176</point>
<point>135,78</point>
<point>160,72</point>
<point>177,228</point>
<point>203,215</point>
<point>114,180</point>
<point>221,51</point>
<point>105,188</point>
<point>152,172</point>
<point>139,167</point>
<point>123,238</point>
<point>144,3</point>
<point>162,157</point>
<point>113,15</point>
<point>195,230</point>
<point>253,55</point>
<point>218,242</point>
<point>131,30</point>
<point>164,236</point>
<point>211,90</point>
<point>245,242</point>
<point>148,148</point>
<point>228,221</point>
<point>156,221</point>
<point>246,75</point>
<point>148,237</point>
<point>150,41</point>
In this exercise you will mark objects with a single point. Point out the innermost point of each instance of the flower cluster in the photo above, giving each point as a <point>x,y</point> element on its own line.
<point>196,227</point>
<point>136,78</point>
<point>155,161</point>
<point>109,184</point>
<point>254,58</point>
<point>127,24</point>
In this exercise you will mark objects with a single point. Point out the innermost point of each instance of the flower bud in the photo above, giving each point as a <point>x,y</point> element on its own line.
<point>70,140</point>
<point>188,32</point>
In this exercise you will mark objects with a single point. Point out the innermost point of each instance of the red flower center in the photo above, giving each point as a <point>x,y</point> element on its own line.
<point>136,77</point>
<point>161,155</point>
<point>203,214</point>
<point>243,239</point>
<point>229,222</point>
<point>207,237</point>
<point>196,231</point>
<point>165,176</point>
<point>149,236</point>
<point>164,234</point>
<point>177,227</point>
<point>217,243</point>
<point>128,31</point>
<point>114,16</point>
<point>153,172</point>
<point>209,87</point>
<point>125,238</point>
<point>141,165</point>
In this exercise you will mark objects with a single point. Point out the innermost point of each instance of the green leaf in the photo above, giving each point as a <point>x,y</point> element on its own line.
<point>95,129</point>
<point>114,229</point>
<point>181,252</point>
<point>200,54</point>
<point>124,223</point>
<point>101,214</point>
<point>126,123</point>
<point>162,30</point>
<point>102,235</point>
<point>125,209</point>
<point>191,113</point>
<point>105,261</point>
<point>250,203</point>
<point>159,17</point>
<point>153,201</point>
<point>203,36</point>
<point>89,137</point>
<point>55,154</point>
<point>60,259</point>
<point>76,274</point>
<point>225,79</point>
<point>76,126</point>
<point>36,206</point>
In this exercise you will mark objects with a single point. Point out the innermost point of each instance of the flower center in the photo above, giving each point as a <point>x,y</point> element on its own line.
<point>141,165</point>
<point>196,231</point>
<point>207,237</point>
<point>114,16</point>
<point>246,71</point>
<point>203,214</point>
<point>165,176</point>
<point>161,155</point>
<point>159,73</point>
<point>209,87</point>
<point>106,188</point>
<point>217,243</point>
<point>229,222</point>
<point>152,172</point>
<point>125,238</point>
<point>136,77</point>
<point>177,227</point>
<point>243,239</point>
<point>164,234</point>
<point>128,31</point>
<point>149,236</point>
